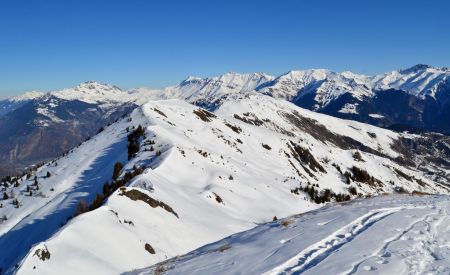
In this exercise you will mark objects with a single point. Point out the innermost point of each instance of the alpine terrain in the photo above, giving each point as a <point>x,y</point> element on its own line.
<point>414,99</point>
<point>219,172</point>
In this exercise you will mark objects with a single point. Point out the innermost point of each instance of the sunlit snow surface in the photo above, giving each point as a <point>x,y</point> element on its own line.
<point>201,160</point>
<point>384,235</point>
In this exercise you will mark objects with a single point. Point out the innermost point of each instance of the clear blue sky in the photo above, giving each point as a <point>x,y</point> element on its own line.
<point>51,44</point>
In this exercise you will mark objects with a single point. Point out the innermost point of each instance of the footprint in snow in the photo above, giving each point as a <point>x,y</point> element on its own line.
<point>382,262</point>
<point>369,268</point>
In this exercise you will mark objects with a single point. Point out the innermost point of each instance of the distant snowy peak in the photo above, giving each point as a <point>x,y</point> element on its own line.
<point>323,84</point>
<point>229,82</point>
<point>419,80</point>
<point>93,92</point>
<point>26,96</point>
<point>211,90</point>
<point>12,103</point>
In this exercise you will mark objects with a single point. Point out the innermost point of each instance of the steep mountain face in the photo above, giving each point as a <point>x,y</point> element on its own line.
<point>45,126</point>
<point>189,177</point>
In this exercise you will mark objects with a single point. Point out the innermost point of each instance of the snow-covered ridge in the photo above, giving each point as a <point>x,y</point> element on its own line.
<point>220,172</point>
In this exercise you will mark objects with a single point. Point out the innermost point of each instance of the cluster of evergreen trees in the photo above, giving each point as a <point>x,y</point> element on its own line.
<point>108,188</point>
<point>134,141</point>
<point>325,195</point>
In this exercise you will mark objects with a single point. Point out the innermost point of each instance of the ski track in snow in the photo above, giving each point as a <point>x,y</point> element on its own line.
<point>384,235</point>
<point>427,243</point>
<point>319,251</point>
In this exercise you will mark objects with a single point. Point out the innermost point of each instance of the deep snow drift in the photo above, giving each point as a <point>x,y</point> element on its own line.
<point>383,235</point>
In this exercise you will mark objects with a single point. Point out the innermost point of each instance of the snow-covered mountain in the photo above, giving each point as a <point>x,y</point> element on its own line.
<point>189,177</point>
<point>206,92</point>
<point>324,84</point>
<point>46,125</point>
<point>383,235</point>
<point>417,98</point>
<point>420,80</point>
<point>79,112</point>
<point>10,104</point>
<point>414,98</point>
<point>410,99</point>
<point>93,92</point>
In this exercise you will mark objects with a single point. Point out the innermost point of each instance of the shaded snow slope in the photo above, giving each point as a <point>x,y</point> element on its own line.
<point>384,235</point>
<point>43,210</point>
<point>206,176</point>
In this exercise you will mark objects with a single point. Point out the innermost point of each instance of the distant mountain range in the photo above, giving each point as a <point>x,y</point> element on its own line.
<point>45,125</point>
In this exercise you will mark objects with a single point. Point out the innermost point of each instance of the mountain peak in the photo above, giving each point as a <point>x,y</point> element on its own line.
<point>93,92</point>
<point>416,68</point>
<point>27,96</point>
<point>95,85</point>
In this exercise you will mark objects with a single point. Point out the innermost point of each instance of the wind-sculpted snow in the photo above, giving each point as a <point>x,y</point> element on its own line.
<point>201,177</point>
<point>384,235</point>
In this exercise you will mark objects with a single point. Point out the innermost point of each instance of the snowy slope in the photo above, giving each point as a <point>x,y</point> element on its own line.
<point>384,235</point>
<point>46,125</point>
<point>80,174</point>
<point>208,176</point>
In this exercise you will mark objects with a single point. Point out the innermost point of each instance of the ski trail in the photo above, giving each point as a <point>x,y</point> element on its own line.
<point>320,250</point>
<point>425,247</point>
<point>383,252</point>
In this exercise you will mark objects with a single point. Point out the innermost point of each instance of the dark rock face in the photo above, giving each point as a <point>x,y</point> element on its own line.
<point>43,129</point>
